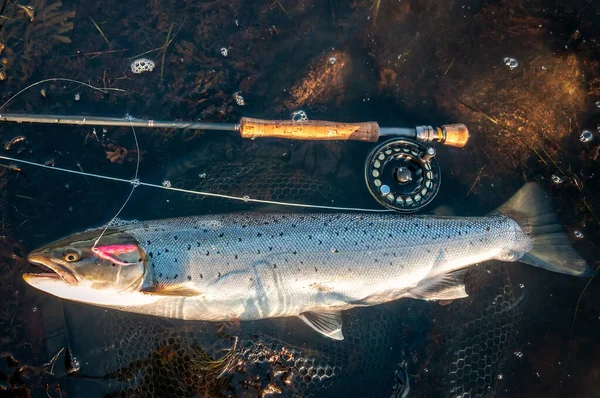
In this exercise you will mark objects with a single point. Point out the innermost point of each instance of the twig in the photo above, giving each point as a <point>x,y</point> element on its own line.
<point>105,52</point>
<point>591,210</point>
<point>491,119</point>
<point>147,52</point>
<point>579,300</point>
<point>449,66</point>
<point>162,63</point>
<point>476,180</point>
<point>280,6</point>
<point>51,363</point>
<point>2,11</point>
<point>101,32</point>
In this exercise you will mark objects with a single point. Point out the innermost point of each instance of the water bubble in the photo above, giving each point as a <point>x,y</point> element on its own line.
<point>75,365</point>
<point>77,97</point>
<point>518,354</point>
<point>511,62</point>
<point>331,60</point>
<point>521,285</point>
<point>500,376</point>
<point>166,184</point>
<point>299,116</point>
<point>556,179</point>
<point>142,65</point>
<point>578,234</point>
<point>202,175</point>
<point>224,51</point>
<point>239,99</point>
<point>246,198</point>
<point>136,182</point>
<point>586,136</point>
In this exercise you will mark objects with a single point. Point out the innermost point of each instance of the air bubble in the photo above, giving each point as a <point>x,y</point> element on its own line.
<point>556,179</point>
<point>511,62</point>
<point>142,65</point>
<point>521,285</point>
<point>224,51</point>
<point>299,116</point>
<point>239,99</point>
<point>586,136</point>
<point>166,184</point>
<point>578,234</point>
<point>518,354</point>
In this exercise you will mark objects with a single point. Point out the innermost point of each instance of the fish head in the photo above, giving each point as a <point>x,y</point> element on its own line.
<point>84,268</point>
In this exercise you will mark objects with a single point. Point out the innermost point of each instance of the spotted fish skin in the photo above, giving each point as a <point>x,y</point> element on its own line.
<point>255,265</point>
<point>252,266</point>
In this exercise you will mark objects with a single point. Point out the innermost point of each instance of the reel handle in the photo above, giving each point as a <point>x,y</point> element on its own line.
<point>309,130</point>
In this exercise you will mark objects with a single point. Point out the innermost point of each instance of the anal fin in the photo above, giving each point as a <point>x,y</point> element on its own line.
<point>328,323</point>
<point>441,287</point>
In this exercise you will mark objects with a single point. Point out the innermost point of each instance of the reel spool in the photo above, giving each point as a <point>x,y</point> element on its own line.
<point>403,174</point>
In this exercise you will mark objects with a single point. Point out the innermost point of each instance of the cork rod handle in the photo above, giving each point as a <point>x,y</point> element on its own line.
<point>309,130</point>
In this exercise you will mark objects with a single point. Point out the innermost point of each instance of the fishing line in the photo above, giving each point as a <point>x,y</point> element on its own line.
<point>133,186</point>
<point>104,90</point>
<point>137,182</point>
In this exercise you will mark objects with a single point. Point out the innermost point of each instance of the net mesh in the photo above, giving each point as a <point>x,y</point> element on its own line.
<point>389,350</point>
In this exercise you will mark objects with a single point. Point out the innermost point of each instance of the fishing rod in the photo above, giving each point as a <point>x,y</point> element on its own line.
<point>454,135</point>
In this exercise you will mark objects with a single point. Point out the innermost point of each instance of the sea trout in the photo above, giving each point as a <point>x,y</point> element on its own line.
<point>253,265</point>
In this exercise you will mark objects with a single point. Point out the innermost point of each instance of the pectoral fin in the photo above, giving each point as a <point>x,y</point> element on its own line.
<point>441,287</point>
<point>328,323</point>
<point>175,289</point>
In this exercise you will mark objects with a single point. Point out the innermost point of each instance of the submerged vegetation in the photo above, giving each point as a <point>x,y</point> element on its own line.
<point>31,32</point>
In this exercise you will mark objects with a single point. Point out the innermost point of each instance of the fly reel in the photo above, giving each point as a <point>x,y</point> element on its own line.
<point>403,174</point>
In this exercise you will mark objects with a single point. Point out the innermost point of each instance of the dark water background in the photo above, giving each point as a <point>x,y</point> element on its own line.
<point>400,63</point>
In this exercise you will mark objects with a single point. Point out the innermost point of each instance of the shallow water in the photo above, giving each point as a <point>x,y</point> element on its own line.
<point>401,63</point>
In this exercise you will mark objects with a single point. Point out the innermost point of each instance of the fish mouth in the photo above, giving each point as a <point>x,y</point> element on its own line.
<point>57,271</point>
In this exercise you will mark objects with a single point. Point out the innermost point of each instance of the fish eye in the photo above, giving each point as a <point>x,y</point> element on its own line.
<point>71,255</point>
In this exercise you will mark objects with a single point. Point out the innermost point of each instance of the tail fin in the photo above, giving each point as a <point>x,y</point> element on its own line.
<point>551,247</point>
